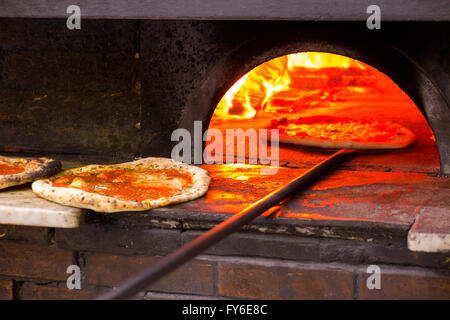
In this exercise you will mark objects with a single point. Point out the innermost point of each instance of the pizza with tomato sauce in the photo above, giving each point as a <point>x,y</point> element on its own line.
<point>16,171</point>
<point>340,132</point>
<point>133,186</point>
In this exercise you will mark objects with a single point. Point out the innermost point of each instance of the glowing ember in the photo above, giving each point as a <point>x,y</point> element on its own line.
<point>292,82</point>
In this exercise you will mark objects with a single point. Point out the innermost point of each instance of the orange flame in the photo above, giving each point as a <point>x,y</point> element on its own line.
<point>276,84</point>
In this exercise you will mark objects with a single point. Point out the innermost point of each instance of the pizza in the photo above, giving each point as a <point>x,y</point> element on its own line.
<point>132,186</point>
<point>341,132</point>
<point>16,171</point>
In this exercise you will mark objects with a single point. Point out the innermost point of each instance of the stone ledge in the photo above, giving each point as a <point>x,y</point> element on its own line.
<point>20,206</point>
<point>431,231</point>
<point>429,242</point>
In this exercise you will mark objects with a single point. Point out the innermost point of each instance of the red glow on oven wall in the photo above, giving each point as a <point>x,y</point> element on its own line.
<point>300,81</point>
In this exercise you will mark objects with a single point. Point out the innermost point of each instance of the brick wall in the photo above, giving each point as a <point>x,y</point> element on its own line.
<point>33,263</point>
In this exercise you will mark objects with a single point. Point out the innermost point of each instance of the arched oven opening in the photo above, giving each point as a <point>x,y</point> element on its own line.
<point>307,84</point>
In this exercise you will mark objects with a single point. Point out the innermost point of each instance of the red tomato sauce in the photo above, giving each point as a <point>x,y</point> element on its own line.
<point>8,168</point>
<point>124,184</point>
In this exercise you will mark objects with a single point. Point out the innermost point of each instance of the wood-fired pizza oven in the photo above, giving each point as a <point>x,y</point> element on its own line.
<point>120,86</point>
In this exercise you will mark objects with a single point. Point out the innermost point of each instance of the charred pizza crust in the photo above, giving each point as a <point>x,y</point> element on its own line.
<point>34,169</point>
<point>102,203</point>
<point>402,137</point>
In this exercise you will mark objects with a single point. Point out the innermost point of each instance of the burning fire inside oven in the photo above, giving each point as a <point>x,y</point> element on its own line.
<point>300,81</point>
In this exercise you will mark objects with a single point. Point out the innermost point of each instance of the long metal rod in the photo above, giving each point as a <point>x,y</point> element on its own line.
<point>192,249</point>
